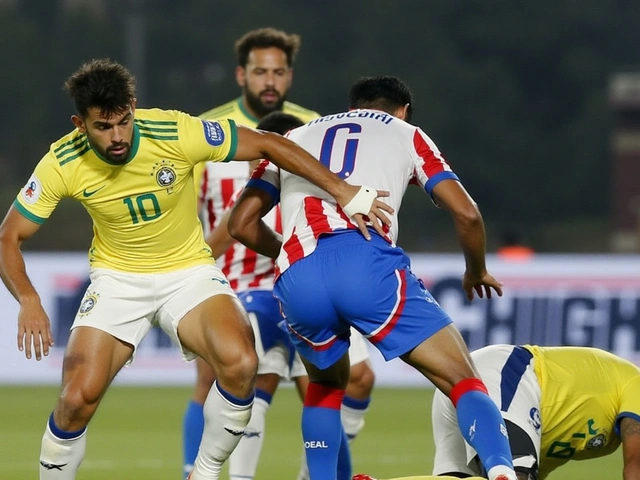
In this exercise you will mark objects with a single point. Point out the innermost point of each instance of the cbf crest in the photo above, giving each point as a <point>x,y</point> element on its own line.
<point>89,301</point>
<point>165,174</point>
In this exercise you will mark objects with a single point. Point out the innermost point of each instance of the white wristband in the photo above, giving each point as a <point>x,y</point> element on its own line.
<point>361,202</point>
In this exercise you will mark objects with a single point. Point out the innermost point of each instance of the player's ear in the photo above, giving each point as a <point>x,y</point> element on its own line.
<point>402,112</point>
<point>290,75</point>
<point>134,102</point>
<point>241,76</point>
<point>79,123</point>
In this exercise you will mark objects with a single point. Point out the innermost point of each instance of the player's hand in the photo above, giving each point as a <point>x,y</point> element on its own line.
<point>34,330</point>
<point>364,203</point>
<point>481,284</point>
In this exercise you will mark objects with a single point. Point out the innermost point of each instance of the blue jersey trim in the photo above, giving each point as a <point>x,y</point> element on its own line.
<point>436,179</point>
<point>61,434</point>
<point>511,373</point>
<point>267,187</point>
<point>242,402</point>
<point>622,415</point>
<point>27,214</point>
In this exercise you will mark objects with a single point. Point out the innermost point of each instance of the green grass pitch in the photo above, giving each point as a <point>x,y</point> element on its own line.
<point>136,435</point>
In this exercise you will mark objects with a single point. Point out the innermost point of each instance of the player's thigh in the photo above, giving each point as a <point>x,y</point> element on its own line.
<point>451,450</point>
<point>203,316</point>
<point>92,359</point>
<point>218,331</point>
<point>443,358</point>
<point>120,304</point>
<point>336,375</point>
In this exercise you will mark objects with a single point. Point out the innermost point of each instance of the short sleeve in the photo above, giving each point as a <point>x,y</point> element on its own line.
<point>42,192</point>
<point>207,140</point>
<point>430,166</point>
<point>629,400</point>
<point>266,176</point>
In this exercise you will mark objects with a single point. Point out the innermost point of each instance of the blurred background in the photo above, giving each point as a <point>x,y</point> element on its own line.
<point>536,105</point>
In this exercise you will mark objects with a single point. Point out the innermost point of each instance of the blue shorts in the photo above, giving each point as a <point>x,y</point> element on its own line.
<point>349,281</point>
<point>267,310</point>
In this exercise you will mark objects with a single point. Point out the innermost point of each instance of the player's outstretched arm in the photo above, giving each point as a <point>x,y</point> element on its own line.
<point>245,222</point>
<point>288,156</point>
<point>630,435</point>
<point>452,196</point>
<point>34,328</point>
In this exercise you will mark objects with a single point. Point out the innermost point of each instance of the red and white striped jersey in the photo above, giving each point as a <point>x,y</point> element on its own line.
<point>365,147</point>
<point>219,182</point>
<point>244,268</point>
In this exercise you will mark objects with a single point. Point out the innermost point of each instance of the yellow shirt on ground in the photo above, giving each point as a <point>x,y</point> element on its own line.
<point>585,393</point>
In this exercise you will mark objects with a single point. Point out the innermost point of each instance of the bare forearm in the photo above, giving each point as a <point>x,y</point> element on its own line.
<point>14,274</point>
<point>471,235</point>
<point>261,239</point>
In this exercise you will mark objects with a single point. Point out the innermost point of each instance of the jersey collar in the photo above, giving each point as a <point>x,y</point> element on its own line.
<point>135,143</point>
<point>245,112</point>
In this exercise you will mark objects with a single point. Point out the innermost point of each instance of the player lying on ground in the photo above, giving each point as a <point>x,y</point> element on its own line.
<point>559,404</point>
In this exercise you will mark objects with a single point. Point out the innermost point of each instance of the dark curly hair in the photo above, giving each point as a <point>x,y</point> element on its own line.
<point>103,84</point>
<point>265,38</point>
<point>279,122</point>
<point>385,93</point>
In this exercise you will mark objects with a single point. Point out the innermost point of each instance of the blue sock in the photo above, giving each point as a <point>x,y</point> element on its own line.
<point>322,433</point>
<point>344,459</point>
<point>192,427</point>
<point>481,423</point>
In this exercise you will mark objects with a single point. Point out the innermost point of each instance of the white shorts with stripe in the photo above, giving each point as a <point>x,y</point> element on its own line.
<point>508,373</point>
<point>128,305</point>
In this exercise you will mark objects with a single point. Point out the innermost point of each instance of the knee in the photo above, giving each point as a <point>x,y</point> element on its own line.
<point>242,369</point>
<point>76,405</point>
<point>361,380</point>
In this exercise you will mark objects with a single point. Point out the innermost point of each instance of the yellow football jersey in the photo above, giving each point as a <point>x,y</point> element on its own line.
<point>144,211</point>
<point>585,392</point>
<point>235,110</point>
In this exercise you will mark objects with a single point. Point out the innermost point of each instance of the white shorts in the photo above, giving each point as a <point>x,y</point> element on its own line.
<point>276,359</point>
<point>508,373</point>
<point>359,348</point>
<point>128,305</point>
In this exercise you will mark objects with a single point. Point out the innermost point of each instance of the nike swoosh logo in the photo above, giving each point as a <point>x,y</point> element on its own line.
<point>222,281</point>
<point>87,194</point>
<point>51,466</point>
<point>235,433</point>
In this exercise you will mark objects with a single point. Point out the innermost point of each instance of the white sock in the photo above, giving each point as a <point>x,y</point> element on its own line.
<point>501,470</point>
<point>352,421</point>
<point>303,474</point>
<point>224,425</point>
<point>59,457</point>
<point>244,459</point>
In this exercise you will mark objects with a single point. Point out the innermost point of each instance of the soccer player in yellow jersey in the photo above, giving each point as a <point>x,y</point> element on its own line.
<point>264,73</point>
<point>559,404</point>
<point>132,170</point>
